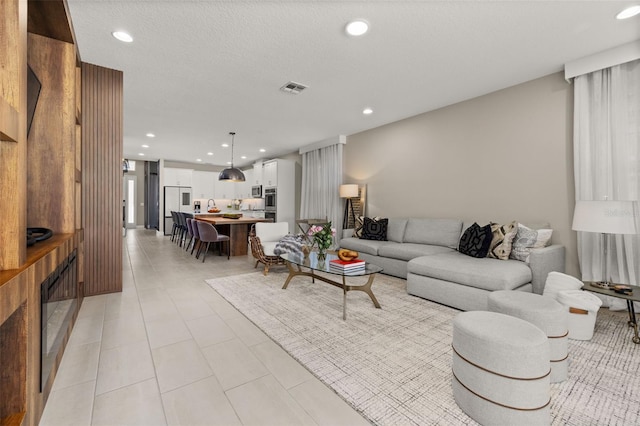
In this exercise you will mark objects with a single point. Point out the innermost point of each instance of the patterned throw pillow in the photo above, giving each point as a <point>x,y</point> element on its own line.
<point>523,243</point>
<point>544,238</point>
<point>503,236</point>
<point>375,229</point>
<point>475,240</point>
<point>359,226</point>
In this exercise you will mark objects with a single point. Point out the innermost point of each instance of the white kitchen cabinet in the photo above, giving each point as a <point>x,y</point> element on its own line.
<point>282,175</point>
<point>270,173</point>
<point>243,189</point>
<point>257,174</point>
<point>178,177</point>
<point>204,184</point>
<point>225,190</point>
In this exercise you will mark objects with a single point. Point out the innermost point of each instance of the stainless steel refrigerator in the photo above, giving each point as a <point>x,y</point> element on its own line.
<point>177,199</point>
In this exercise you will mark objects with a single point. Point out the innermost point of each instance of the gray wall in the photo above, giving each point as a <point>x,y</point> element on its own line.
<point>500,157</point>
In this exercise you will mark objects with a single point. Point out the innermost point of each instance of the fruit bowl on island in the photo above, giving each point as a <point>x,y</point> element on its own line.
<point>214,210</point>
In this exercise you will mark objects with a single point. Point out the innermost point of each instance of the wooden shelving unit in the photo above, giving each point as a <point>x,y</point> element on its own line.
<point>69,168</point>
<point>43,167</point>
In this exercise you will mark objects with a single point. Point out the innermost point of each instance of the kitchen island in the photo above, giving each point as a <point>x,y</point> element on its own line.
<point>236,229</point>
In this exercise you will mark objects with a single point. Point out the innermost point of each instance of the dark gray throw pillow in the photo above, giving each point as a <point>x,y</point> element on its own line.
<point>476,240</point>
<point>375,229</point>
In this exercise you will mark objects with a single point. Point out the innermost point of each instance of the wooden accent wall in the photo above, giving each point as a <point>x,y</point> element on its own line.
<point>51,151</point>
<point>13,132</point>
<point>102,134</point>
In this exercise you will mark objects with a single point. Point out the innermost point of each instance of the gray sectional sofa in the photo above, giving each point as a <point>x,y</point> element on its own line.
<point>424,251</point>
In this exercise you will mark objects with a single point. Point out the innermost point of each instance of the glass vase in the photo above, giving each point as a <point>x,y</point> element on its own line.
<point>322,254</point>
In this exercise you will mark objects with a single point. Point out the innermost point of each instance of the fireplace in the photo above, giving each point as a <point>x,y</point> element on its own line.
<point>59,298</point>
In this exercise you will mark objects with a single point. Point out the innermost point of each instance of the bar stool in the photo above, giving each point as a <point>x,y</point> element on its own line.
<point>209,234</point>
<point>196,237</point>
<point>174,228</point>
<point>189,233</point>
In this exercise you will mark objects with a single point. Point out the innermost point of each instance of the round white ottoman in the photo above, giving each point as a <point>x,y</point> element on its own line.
<point>500,369</point>
<point>545,313</point>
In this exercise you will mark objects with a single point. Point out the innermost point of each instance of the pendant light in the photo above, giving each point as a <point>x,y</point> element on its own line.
<point>232,174</point>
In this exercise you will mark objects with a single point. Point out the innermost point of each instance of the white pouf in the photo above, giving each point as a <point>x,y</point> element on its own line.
<point>500,369</point>
<point>546,314</point>
<point>583,309</point>
<point>557,282</point>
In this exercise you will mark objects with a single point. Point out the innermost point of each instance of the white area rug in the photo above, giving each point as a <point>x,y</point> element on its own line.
<point>393,364</point>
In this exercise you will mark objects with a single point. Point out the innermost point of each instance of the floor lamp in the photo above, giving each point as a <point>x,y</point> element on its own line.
<point>606,218</point>
<point>348,191</point>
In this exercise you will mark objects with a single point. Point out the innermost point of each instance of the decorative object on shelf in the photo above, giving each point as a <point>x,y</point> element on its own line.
<point>322,236</point>
<point>348,191</point>
<point>232,174</point>
<point>606,217</point>
<point>35,235</point>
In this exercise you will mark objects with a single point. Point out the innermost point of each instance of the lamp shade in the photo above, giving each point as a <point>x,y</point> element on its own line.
<point>349,190</point>
<point>607,217</point>
<point>231,174</point>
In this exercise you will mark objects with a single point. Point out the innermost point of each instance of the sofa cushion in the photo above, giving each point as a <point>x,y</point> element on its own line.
<point>359,225</point>
<point>375,229</point>
<point>408,251</point>
<point>363,246</point>
<point>503,236</point>
<point>439,232</point>
<point>487,274</point>
<point>475,240</point>
<point>395,230</point>
<point>523,243</point>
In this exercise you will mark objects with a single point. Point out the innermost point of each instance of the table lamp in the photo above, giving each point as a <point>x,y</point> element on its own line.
<point>606,218</point>
<point>348,191</point>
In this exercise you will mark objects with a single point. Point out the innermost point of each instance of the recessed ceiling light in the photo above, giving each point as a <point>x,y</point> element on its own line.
<point>225,145</point>
<point>151,135</point>
<point>145,146</point>
<point>141,154</point>
<point>262,150</point>
<point>244,157</point>
<point>209,153</point>
<point>629,12</point>
<point>367,111</point>
<point>357,28</point>
<point>122,36</point>
<point>198,159</point>
<point>229,162</point>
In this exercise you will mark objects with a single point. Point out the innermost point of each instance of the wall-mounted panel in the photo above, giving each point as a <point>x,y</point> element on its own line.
<point>102,135</point>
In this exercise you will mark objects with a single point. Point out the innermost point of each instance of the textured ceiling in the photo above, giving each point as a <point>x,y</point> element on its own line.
<point>200,69</point>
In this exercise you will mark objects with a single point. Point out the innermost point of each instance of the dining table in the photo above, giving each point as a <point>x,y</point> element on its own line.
<point>236,229</point>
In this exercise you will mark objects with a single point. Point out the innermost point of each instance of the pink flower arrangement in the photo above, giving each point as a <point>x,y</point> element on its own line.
<point>322,235</point>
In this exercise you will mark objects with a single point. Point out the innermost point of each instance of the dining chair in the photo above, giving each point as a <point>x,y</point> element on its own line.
<point>209,234</point>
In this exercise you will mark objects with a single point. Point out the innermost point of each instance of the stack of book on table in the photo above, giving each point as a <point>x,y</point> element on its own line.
<point>345,266</point>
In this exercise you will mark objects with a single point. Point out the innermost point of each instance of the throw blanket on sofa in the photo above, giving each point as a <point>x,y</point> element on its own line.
<point>289,244</point>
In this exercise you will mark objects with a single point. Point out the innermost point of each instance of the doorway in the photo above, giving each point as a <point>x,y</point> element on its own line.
<point>129,191</point>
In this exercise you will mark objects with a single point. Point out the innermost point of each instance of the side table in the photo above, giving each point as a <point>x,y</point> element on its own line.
<point>634,296</point>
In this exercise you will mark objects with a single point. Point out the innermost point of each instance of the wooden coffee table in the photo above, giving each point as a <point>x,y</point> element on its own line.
<point>312,266</point>
<point>630,298</point>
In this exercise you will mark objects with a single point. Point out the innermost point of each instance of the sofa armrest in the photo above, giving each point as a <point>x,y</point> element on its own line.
<point>544,260</point>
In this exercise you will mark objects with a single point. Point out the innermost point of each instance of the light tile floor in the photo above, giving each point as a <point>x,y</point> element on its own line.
<point>168,350</point>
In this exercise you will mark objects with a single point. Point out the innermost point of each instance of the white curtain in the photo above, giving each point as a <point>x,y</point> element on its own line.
<point>607,162</point>
<point>321,179</point>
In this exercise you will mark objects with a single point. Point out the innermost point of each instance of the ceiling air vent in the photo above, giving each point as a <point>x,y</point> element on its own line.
<point>293,88</point>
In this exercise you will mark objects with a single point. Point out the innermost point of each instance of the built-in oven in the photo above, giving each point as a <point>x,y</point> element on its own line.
<point>270,199</point>
<point>270,215</point>
<point>256,191</point>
